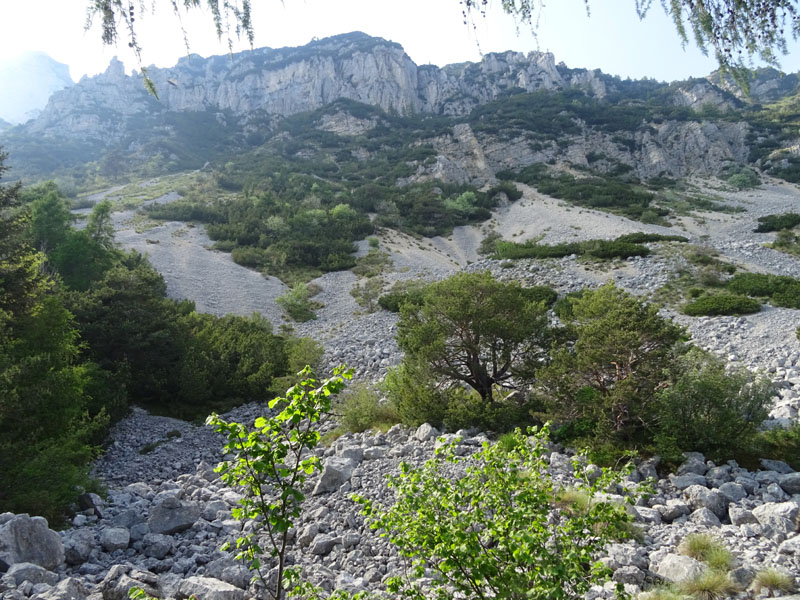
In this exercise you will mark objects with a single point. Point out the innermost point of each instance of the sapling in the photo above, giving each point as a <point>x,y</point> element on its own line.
<point>270,464</point>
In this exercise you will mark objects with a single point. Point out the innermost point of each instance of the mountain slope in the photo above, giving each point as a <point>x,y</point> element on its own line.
<point>353,98</point>
<point>27,82</point>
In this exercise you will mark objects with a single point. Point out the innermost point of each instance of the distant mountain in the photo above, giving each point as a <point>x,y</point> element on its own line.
<point>28,81</point>
<point>4,125</point>
<point>342,101</point>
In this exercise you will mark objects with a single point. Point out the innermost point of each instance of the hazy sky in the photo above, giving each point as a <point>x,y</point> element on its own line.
<point>431,31</point>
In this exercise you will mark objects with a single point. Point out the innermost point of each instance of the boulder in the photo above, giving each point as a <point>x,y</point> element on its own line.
<point>676,568</point>
<point>698,496</point>
<point>682,482</point>
<point>230,571</point>
<point>790,546</point>
<point>733,492</point>
<point>740,516</point>
<point>78,545</point>
<point>335,473</point>
<point>120,579</point>
<point>780,518</point>
<point>790,483</point>
<point>704,518</point>
<point>173,516</point>
<point>694,463</point>
<point>157,545</point>
<point>323,544</point>
<point>67,589</point>
<point>208,588</point>
<point>425,432</point>
<point>29,539</point>
<point>33,573</point>
<point>775,465</point>
<point>115,538</point>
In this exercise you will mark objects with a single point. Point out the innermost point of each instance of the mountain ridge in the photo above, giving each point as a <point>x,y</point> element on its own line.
<point>677,129</point>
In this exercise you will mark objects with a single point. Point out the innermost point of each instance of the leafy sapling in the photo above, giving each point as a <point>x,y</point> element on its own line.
<point>488,525</point>
<point>270,464</point>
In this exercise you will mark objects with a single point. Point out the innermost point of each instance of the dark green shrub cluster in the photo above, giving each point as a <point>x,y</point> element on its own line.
<point>511,191</point>
<point>599,192</point>
<point>777,222</point>
<point>741,177</point>
<point>401,293</point>
<point>716,411</point>
<point>541,293</point>
<point>640,237</point>
<point>781,290</point>
<point>721,304</point>
<point>624,246</point>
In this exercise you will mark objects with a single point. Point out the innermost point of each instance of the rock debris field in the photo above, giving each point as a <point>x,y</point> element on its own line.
<point>167,513</point>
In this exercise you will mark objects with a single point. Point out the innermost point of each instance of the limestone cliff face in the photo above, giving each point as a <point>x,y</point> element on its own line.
<point>249,95</point>
<point>292,80</point>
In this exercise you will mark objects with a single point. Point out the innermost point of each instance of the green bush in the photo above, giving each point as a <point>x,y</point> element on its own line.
<point>780,289</point>
<point>298,304</point>
<point>743,178</point>
<point>402,292</point>
<point>780,444</point>
<point>541,293</point>
<point>449,526</point>
<point>412,397</point>
<point>361,409</point>
<point>721,304</point>
<point>601,249</point>
<point>711,409</point>
<point>511,191</point>
<point>777,222</point>
<point>641,237</point>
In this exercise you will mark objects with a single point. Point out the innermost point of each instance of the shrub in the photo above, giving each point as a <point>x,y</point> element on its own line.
<point>780,289</point>
<point>298,304</point>
<point>641,237</point>
<point>511,191</point>
<point>401,293</point>
<point>754,284</point>
<point>541,293</point>
<point>449,527</point>
<point>361,409</point>
<point>602,249</point>
<point>412,397</point>
<point>777,222</point>
<point>780,444</point>
<point>721,304</point>
<point>711,409</point>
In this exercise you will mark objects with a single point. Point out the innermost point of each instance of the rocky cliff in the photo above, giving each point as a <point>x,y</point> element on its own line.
<point>648,127</point>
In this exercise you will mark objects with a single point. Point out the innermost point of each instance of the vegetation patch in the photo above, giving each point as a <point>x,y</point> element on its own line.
<point>622,247</point>
<point>600,192</point>
<point>781,290</point>
<point>721,304</point>
<point>777,222</point>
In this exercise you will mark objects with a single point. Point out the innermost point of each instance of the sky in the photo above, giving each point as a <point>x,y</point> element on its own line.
<point>431,31</point>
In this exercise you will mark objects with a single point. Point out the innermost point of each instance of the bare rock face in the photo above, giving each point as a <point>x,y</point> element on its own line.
<point>286,81</point>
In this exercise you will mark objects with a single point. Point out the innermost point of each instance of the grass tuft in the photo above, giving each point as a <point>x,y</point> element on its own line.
<point>709,585</point>
<point>772,580</point>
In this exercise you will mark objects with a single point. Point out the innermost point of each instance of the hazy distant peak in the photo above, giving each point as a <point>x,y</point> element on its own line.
<point>27,82</point>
